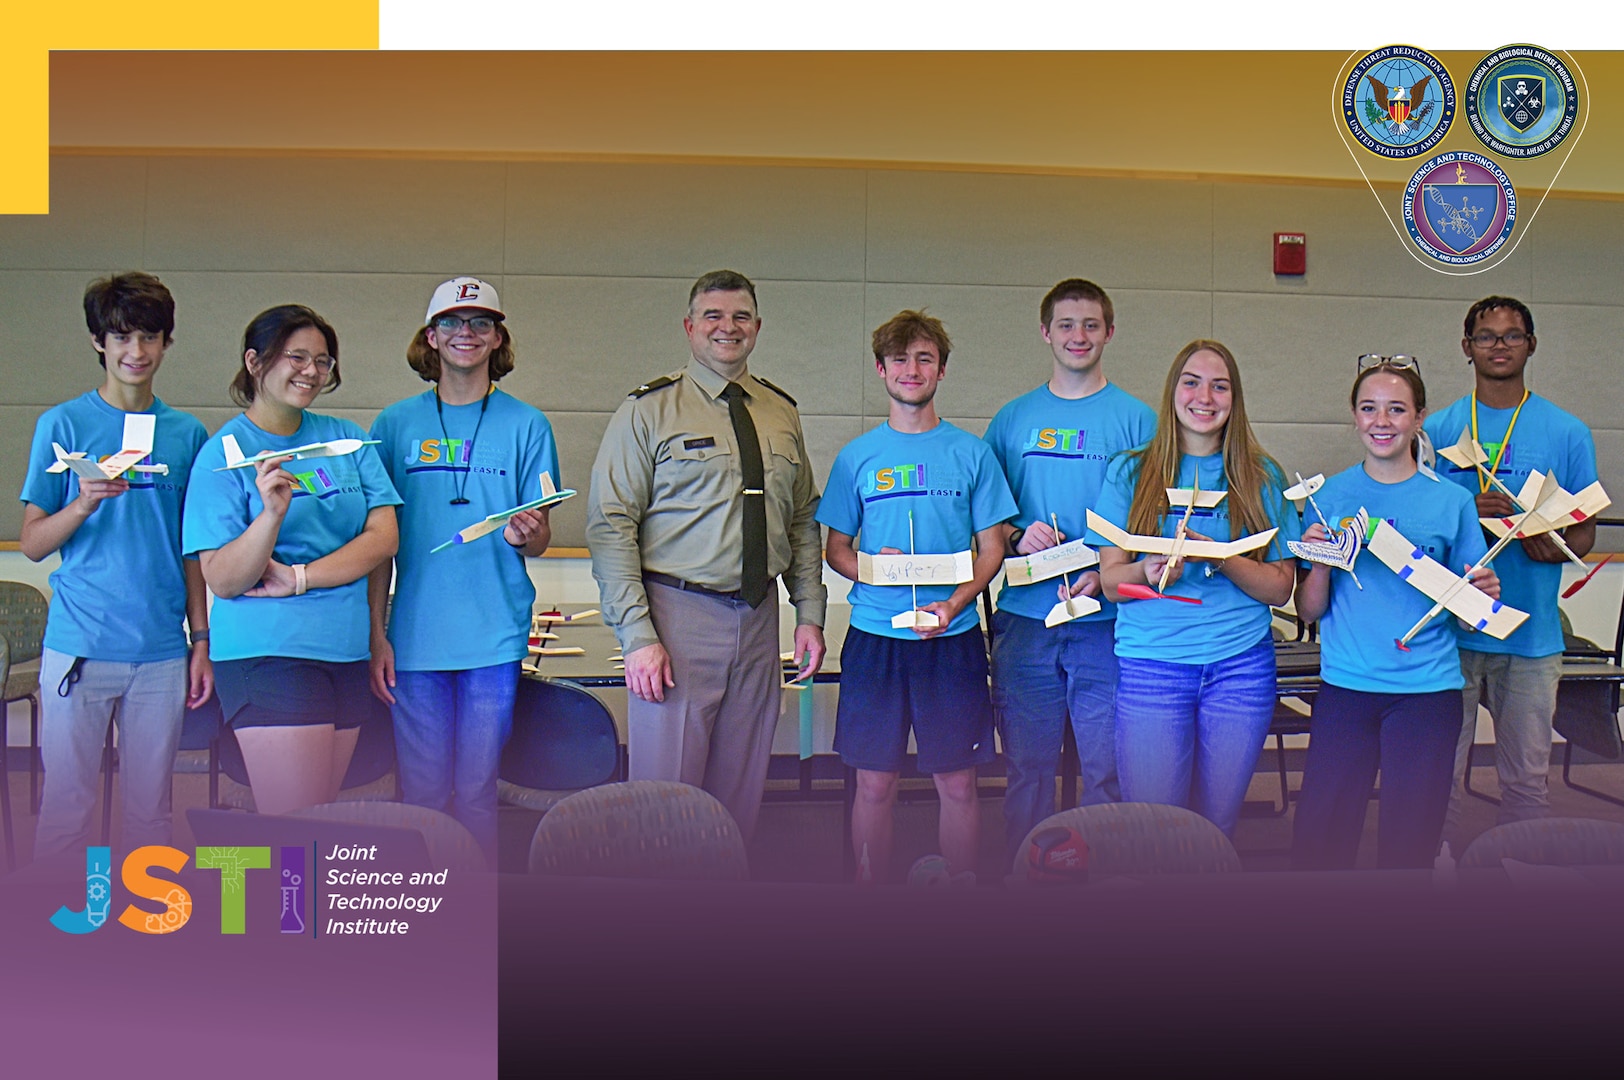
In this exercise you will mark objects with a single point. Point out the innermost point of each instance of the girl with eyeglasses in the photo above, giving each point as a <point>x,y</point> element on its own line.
<point>286,546</point>
<point>1380,707</point>
<point>446,655</point>
<point>1196,683</point>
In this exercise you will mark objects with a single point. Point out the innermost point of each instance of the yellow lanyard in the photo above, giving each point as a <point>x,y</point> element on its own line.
<point>1483,481</point>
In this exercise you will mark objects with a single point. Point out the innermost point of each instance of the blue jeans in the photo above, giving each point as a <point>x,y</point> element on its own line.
<point>1040,675</point>
<point>450,727</point>
<point>150,702</point>
<point>1189,734</point>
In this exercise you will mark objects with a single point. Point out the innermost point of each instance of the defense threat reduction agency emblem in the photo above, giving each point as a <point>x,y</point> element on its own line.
<point>1459,207</point>
<point>1521,101</point>
<point>1398,101</point>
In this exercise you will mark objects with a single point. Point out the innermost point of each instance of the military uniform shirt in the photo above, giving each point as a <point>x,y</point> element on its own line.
<point>667,497</point>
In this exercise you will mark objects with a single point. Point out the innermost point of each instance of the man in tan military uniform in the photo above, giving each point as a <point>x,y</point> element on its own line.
<point>689,527</point>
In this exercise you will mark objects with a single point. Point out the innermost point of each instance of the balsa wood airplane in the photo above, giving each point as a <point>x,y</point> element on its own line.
<point>1178,546</point>
<point>1058,561</point>
<point>915,570</point>
<point>1341,547</point>
<point>1467,453</point>
<point>549,496</point>
<point>139,431</point>
<point>558,618</point>
<point>331,448</point>
<point>1463,599</point>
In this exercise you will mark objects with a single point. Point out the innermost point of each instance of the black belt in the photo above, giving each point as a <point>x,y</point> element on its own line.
<point>688,586</point>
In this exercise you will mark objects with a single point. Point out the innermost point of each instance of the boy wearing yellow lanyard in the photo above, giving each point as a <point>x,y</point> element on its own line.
<point>1520,432</point>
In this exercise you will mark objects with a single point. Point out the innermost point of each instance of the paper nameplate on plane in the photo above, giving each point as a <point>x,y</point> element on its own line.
<point>915,620</point>
<point>1182,496</point>
<point>1042,565</point>
<point>953,569</point>
<point>1067,610</point>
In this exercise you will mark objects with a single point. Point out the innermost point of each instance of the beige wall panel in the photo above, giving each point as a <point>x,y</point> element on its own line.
<point>1610,464</point>
<point>578,435</point>
<point>16,437</point>
<point>45,353</point>
<point>95,222</point>
<point>986,229</point>
<point>1310,448</point>
<point>1352,248</point>
<point>826,436</point>
<point>338,214</point>
<point>375,316</point>
<point>1578,362</point>
<point>1575,254</point>
<point>975,425</point>
<point>683,220</point>
<point>592,353</point>
<point>1152,325</point>
<point>1297,353</point>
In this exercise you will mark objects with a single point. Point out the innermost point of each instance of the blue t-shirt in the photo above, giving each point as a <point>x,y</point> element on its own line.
<point>1358,630</point>
<point>1054,452</point>
<point>1227,622</point>
<point>945,477</point>
<point>468,606</point>
<point>329,509</point>
<point>120,593</point>
<point>1545,439</point>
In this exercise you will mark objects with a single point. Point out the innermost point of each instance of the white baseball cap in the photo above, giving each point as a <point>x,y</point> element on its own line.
<point>464,292</point>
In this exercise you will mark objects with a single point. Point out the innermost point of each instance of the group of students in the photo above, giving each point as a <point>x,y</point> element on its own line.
<point>1169,702</point>
<point>299,553</point>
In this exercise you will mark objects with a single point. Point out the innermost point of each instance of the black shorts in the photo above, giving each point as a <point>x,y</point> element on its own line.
<point>284,691</point>
<point>937,686</point>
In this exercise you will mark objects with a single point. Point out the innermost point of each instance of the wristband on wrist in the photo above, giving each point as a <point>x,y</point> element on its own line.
<point>1015,541</point>
<point>300,584</point>
<point>199,635</point>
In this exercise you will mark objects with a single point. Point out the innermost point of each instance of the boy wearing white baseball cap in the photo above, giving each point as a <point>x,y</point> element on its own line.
<point>448,658</point>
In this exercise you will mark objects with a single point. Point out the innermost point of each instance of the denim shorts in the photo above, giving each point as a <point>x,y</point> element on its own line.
<point>285,691</point>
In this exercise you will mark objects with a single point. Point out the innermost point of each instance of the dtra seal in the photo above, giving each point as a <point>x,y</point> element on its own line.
<point>1521,101</point>
<point>1398,101</point>
<point>1459,208</point>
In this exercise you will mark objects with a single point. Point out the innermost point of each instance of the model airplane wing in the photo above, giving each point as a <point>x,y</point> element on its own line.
<point>1194,497</point>
<point>1341,552</point>
<point>1065,558</point>
<point>1553,509</point>
<point>1164,545</point>
<point>1466,453</point>
<point>549,496</point>
<point>331,448</point>
<point>1464,600</point>
<point>915,619</point>
<point>952,569</point>
<point>1074,608</point>
<point>1304,488</point>
<point>140,430</point>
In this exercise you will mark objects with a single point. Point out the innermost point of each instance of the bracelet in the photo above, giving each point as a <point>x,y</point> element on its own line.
<point>1015,541</point>
<point>199,635</point>
<point>300,585</point>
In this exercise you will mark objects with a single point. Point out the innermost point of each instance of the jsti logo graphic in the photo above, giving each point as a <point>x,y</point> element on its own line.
<point>317,481</point>
<point>451,455</point>
<point>233,863</point>
<point>899,480</point>
<point>1055,442</point>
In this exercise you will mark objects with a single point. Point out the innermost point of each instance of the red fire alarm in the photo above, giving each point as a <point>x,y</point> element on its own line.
<point>1290,253</point>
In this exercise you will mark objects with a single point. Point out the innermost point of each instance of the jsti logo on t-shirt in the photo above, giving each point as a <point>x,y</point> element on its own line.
<point>451,455</point>
<point>1055,442</point>
<point>895,481</point>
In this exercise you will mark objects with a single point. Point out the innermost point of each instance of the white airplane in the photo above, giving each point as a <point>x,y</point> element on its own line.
<point>914,570</point>
<point>139,431</point>
<point>549,496</point>
<point>1468,454</point>
<point>332,448</point>
<point>1178,546</point>
<point>1548,507</point>
<point>1059,561</point>
<point>1341,546</point>
<point>1463,599</point>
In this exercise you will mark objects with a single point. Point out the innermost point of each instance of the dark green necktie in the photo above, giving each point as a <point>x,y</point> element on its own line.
<point>753,582</point>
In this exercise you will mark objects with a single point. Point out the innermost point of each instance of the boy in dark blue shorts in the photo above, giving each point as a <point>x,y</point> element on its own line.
<point>921,484</point>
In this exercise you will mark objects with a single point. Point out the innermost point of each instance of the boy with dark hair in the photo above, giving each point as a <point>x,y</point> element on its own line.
<point>1521,432</point>
<point>1053,445</point>
<point>915,480</point>
<point>114,641</point>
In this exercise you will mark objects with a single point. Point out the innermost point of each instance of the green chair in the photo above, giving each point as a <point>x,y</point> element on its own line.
<point>22,624</point>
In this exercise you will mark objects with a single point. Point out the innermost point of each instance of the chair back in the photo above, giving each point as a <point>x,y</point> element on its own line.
<point>22,620</point>
<point>651,829</point>
<point>563,739</point>
<point>1549,842</point>
<point>451,846</point>
<point>1142,838</point>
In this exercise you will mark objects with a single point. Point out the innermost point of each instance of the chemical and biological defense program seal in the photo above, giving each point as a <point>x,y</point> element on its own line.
<point>1459,207</point>
<point>1521,101</point>
<point>1398,101</point>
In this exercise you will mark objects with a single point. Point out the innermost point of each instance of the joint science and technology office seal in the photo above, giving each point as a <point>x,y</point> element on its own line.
<point>1521,101</point>
<point>1459,208</point>
<point>1398,101</point>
